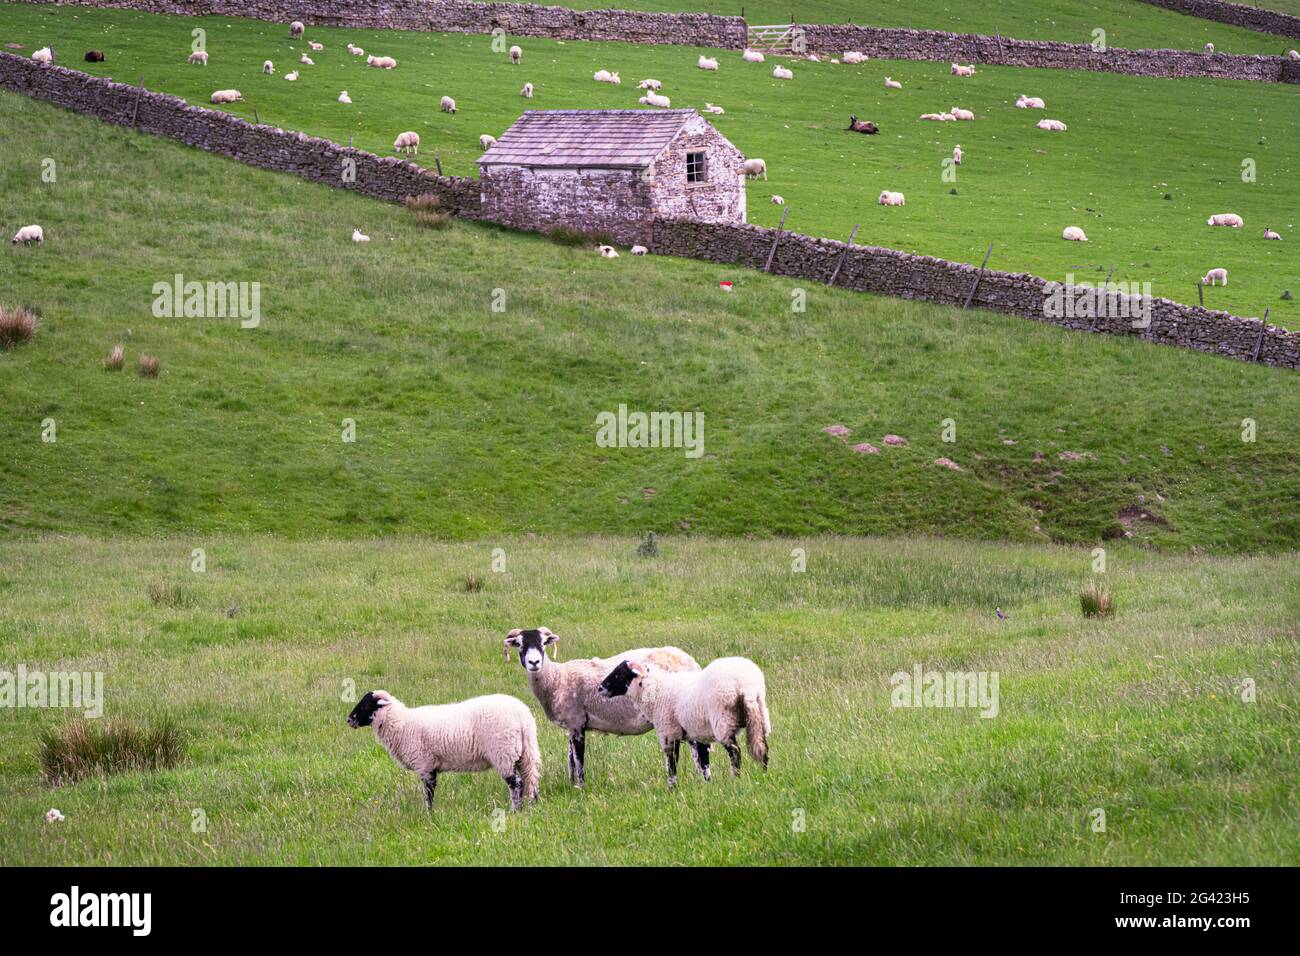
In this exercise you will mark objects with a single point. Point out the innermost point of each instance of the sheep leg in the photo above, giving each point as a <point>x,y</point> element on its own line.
<point>515,782</point>
<point>430,781</point>
<point>577,755</point>
<point>670,761</point>
<point>701,752</point>
<point>733,751</point>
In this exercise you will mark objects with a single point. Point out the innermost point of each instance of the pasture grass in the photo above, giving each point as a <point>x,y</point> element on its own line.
<point>84,748</point>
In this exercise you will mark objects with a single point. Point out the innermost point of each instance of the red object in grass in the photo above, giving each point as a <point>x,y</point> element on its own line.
<point>724,285</point>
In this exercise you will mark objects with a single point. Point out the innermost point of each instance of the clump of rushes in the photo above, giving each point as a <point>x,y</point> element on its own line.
<point>148,366</point>
<point>175,596</point>
<point>83,748</point>
<point>649,546</point>
<point>473,583</point>
<point>427,211</point>
<point>17,326</point>
<point>1095,601</point>
<point>567,236</point>
<point>115,359</point>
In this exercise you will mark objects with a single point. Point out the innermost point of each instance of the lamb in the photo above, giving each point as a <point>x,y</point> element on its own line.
<point>707,63</point>
<point>1214,277</point>
<point>639,250</point>
<point>516,54</point>
<point>607,252</point>
<point>854,56</point>
<point>1030,103</point>
<point>1050,124</point>
<point>892,84</point>
<point>268,67</point>
<point>355,50</point>
<point>710,108</point>
<point>604,76</point>
<point>1270,234</point>
<point>1209,48</point>
<point>43,55</point>
<point>814,58</point>
<point>94,56</point>
<point>381,62</point>
<point>754,168</point>
<point>295,29</point>
<point>227,96</point>
<point>892,199</point>
<point>527,91</point>
<point>1293,54</point>
<point>1074,234</point>
<point>359,236</point>
<point>1225,219</point>
<point>494,732</point>
<point>654,99</point>
<point>959,70</point>
<point>408,142</point>
<point>305,60</point>
<point>701,708</point>
<point>29,234</point>
<point>568,691</point>
<point>781,73</point>
<point>344,98</point>
<point>778,200</point>
<point>956,154</point>
<point>962,114</point>
<point>752,56</point>
<point>863,126</point>
<point>447,105</point>
<point>650,84</point>
<point>936,117</point>
<point>198,56</point>
<point>315,46</point>
<point>486,142</point>
<point>292,76</point>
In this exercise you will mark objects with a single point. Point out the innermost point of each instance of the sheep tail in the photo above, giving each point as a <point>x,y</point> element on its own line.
<point>530,763</point>
<point>757,726</point>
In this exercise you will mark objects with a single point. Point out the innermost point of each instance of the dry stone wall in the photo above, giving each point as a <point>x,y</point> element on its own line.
<point>1237,14</point>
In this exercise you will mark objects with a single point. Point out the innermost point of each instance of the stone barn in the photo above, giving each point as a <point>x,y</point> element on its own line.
<point>611,171</point>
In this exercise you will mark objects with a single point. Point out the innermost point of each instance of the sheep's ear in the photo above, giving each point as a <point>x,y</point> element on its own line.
<point>636,667</point>
<point>512,640</point>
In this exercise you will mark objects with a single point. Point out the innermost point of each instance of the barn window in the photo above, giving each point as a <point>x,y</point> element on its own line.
<point>696,168</point>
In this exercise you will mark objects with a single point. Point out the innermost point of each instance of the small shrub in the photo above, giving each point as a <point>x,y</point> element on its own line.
<point>115,359</point>
<point>82,748</point>
<point>473,583</point>
<point>567,236</point>
<point>649,546</point>
<point>17,326</point>
<point>427,211</point>
<point>1095,601</point>
<point>148,366</point>
<point>164,594</point>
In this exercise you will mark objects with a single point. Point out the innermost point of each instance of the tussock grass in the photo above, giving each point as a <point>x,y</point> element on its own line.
<point>115,359</point>
<point>84,748</point>
<point>426,210</point>
<point>148,366</point>
<point>1095,601</point>
<point>17,326</point>
<point>171,595</point>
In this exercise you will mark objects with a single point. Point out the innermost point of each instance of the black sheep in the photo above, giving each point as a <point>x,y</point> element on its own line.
<point>859,126</point>
<point>94,56</point>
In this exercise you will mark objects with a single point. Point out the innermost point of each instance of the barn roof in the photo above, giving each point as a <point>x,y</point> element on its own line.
<point>617,138</point>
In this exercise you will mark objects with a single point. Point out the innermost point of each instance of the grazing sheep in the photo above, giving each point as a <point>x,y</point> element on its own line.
<point>568,692</point>
<point>408,142</point>
<point>854,57</point>
<point>447,105</point>
<point>863,126</point>
<point>639,250</point>
<point>892,199</point>
<point>295,29</point>
<point>1055,126</point>
<point>43,55</point>
<point>315,46</point>
<point>604,76</point>
<point>94,56</point>
<point>227,96</point>
<point>1270,234</point>
<point>892,84</point>
<point>962,114</point>
<point>29,234</point>
<point>654,99</point>
<point>703,707</point>
<point>959,70</point>
<point>1225,219</point>
<point>752,56</point>
<point>778,200</point>
<point>355,50</point>
<point>1030,103</point>
<point>710,108</point>
<point>381,62</point>
<point>1209,48</point>
<point>707,63</point>
<point>359,236</point>
<point>781,73</point>
<point>1074,234</point>
<point>754,168</point>
<point>344,98</point>
<point>198,56</point>
<point>495,732</point>
<point>292,76</point>
<point>268,67</point>
<point>516,54</point>
<point>956,154</point>
<point>305,60</point>
<point>1214,277</point>
<point>527,91</point>
<point>607,252</point>
<point>650,84</point>
<point>486,142</point>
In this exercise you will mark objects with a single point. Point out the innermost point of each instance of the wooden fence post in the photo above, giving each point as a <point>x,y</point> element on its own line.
<point>975,285</point>
<point>1259,342</point>
<point>775,239</point>
<point>839,265</point>
<point>1200,293</point>
<point>257,119</point>
<point>135,107</point>
<point>437,161</point>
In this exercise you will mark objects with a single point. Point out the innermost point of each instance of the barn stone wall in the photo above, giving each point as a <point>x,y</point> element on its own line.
<point>614,202</point>
<point>1237,14</point>
<point>865,269</point>
<point>721,198</point>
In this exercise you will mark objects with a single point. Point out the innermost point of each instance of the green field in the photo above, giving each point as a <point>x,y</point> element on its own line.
<point>1140,716</point>
<point>1131,143</point>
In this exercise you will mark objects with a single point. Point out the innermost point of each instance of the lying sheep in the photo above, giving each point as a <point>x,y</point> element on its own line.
<point>295,29</point>
<point>961,114</point>
<point>888,198</point>
<point>1030,103</point>
<point>654,99</point>
<point>778,200</point>
<point>198,56</point>
<point>516,54</point>
<point>495,732</point>
<point>813,58</point>
<point>781,73</point>
<point>355,50</point>
<point>381,62</point>
<point>754,168</point>
<point>1074,234</point>
<point>891,84</point>
<point>701,708</point>
<point>1055,126</point>
<point>569,694</point>
<point>854,57</point>
<point>707,63</point>
<point>639,250</point>
<point>43,55</point>
<point>447,105</point>
<point>1225,219</point>
<point>1293,54</point>
<point>752,56</point>
<point>710,108</point>
<point>344,98</point>
<point>935,117</point>
<point>959,70</point>
<point>604,76</point>
<point>1270,234</point>
<point>227,96</point>
<point>359,236</point>
<point>292,76</point>
<point>486,142</point>
<point>650,84</point>
<point>315,46</point>
<point>305,60</point>
<point>268,67</point>
<point>956,154</point>
<point>607,252</point>
<point>29,234</point>
<point>527,91</point>
<point>1214,277</point>
<point>408,142</point>
<point>94,56</point>
<point>1209,48</point>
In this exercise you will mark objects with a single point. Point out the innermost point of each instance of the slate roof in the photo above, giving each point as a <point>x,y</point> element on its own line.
<point>617,138</point>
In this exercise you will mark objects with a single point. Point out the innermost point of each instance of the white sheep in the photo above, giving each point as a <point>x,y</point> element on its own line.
<point>381,62</point>
<point>654,99</point>
<point>1209,48</point>
<point>447,105</point>
<point>710,108</point>
<point>527,91</point>
<point>814,58</point>
<point>1030,103</point>
<point>607,252</point>
<point>1214,277</point>
<point>936,117</point>
<point>752,56</point>
<point>1225,219</point>
<point>359,236</point>
<point>316,46</point>
<point>959,70</point>
<point>639,250</point>
<point>43,55</point>
<point>1055,126</point>
<point>701,708</point>
<point>295,29</point>
<point>956,154</point>
<point>854,56</point>
<point>888,198</point>
<point>1293,54</point>
<point>892,84</point>
<point>493,732</point>
<point>408,142</point>
<point>568,692</point>
<point>1270,234</point>
<point>604,76</point>
<point>1074,234</point>
<point>781,73</point>
<point>344,98</point>
<point>268,68</point>
<point>754,168</point>
<point>355,50</point>
<point>198,56</point>
<point>486,142</point>
<point>778,200</point>
<point>227,96</point>
<point>961,114</point>
<point>516,54</point>
<point>292,76</point>
<point>305,60</point>
<point>707,63</point>
<point>650,84</point>
<point>29,234</point>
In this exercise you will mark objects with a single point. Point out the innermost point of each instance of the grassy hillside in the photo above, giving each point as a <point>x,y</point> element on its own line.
<point>1136,170</point>
<point>473,423</point>
<point>1140,715</point>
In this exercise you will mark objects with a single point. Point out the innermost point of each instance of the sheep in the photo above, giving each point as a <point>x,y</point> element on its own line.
<point>654,99</point>
<point>227,96</point>
<point>956,154</point>
<point>892,84</point>
<point>1293,54</point>
<point>863,126</point>
<point>486,142</point>
<point>315,46</point>
<point>568,691</point>
<point>1214,277</point>
<point>1074,234</point>
<point>292,76</point>
<point>305,60</point>
<point>344,98</point>
<point>778,200</point>
<point>707,63</point>
<point>607,252</point>
<point>1209,48</point>
<point>959,70</point>
<point>781,73</point>
<point>1270,234</point>
<point>854,57</point>
<point>892,199</point>
<point>1055,126</point>
<point>94,56</point>
<point>355,50</point>
<point>295,29</point>
<point>814,58</point>
<point>527,91</point>
<point>494,732</point>
<point>710,108</point>
<point>447,105</point>
<point>408,142</point>
<point>754,168</point>
<point>268,67</point>
<point>1030,103</point>
<point>752,56</point>
<point>650,84</point>
<point>516,54</point>
<point>29,234</point>
<point>381,62</point>
<point>962,114</point>
<point>604,76</point>
<point>359,236</point>
<point>639,250</point>
<point>1225,219</point>
<point>43,55</point>
<point>704,707</point>
<point>198,56</point>
<point>936,117</point>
